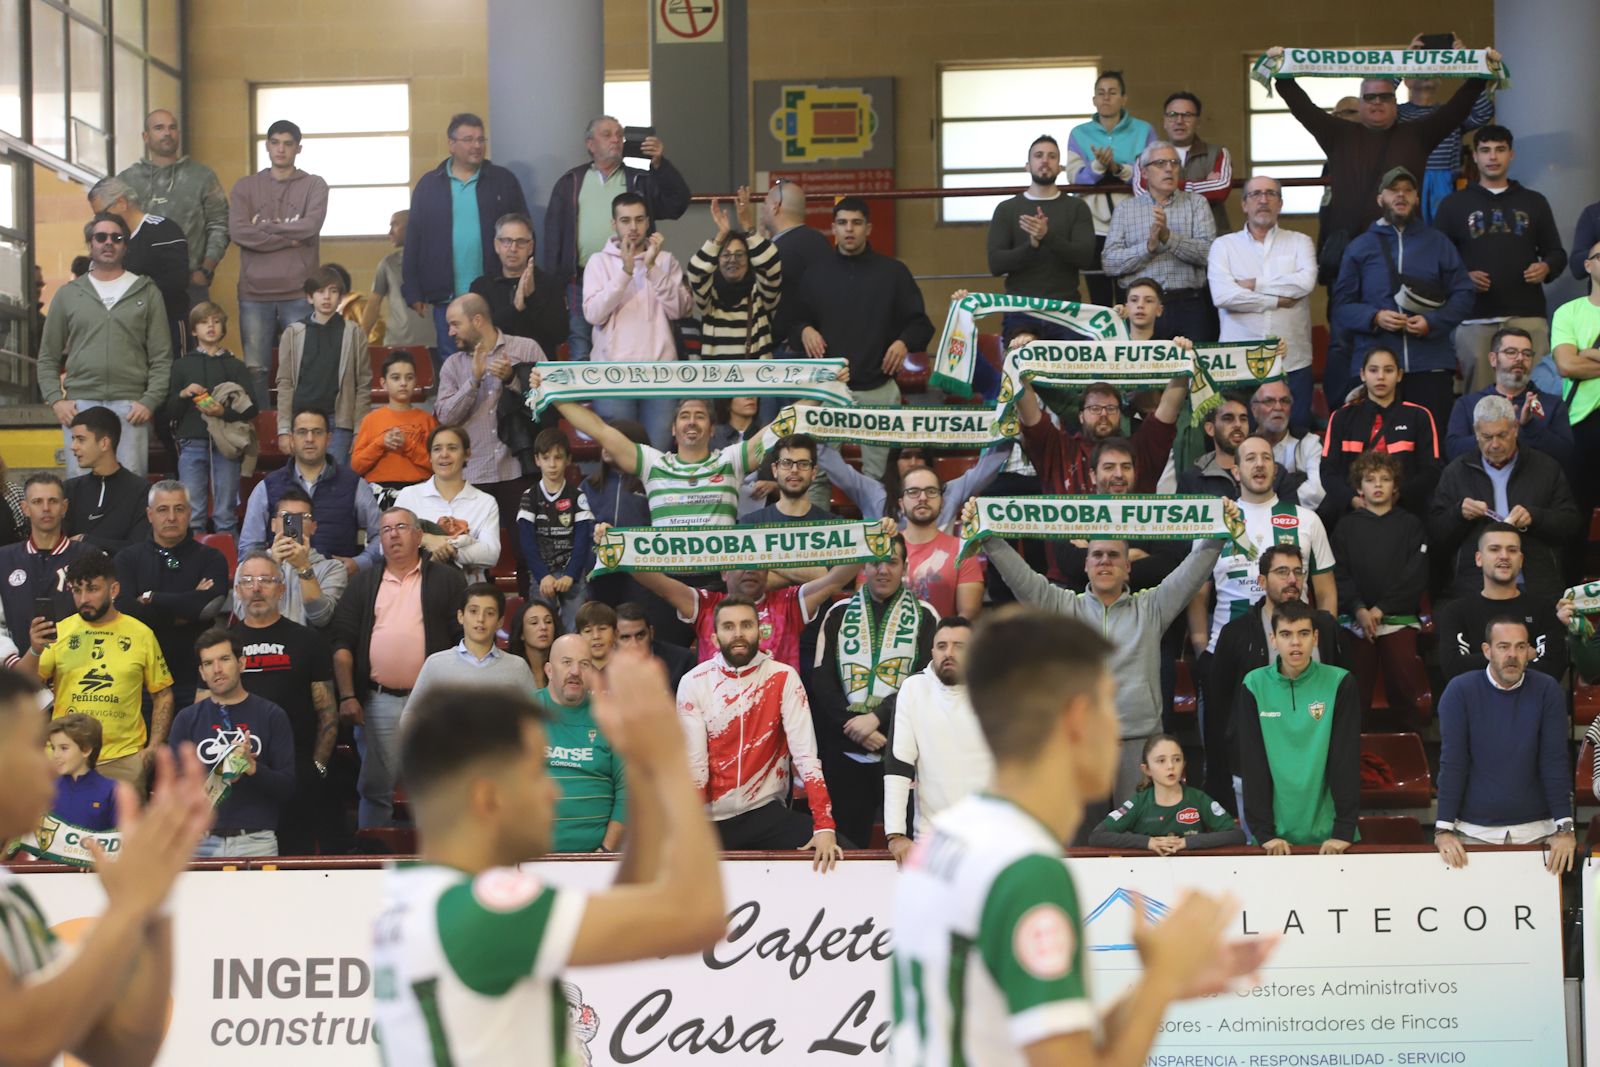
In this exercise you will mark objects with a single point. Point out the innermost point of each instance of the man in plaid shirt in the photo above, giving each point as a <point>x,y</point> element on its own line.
<point>1165,233</point>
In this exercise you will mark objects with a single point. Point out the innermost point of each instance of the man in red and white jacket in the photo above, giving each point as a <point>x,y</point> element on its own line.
<point>746,719</point>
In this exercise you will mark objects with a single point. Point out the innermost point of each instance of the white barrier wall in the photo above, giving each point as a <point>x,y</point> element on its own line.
<point>1385,959</point>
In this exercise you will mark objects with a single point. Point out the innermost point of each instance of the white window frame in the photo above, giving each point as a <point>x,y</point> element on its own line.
<point>1300,201</point>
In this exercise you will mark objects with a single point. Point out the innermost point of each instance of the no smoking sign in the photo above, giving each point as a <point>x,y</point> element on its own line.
<point>688,21</point>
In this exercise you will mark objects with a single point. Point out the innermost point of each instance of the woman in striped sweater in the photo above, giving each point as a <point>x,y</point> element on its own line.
<point>736,277</point>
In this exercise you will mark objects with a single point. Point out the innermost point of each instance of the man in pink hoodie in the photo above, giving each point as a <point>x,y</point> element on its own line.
<point>632,291</point>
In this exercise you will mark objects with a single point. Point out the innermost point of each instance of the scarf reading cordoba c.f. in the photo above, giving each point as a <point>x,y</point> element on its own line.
<point>808,379</point>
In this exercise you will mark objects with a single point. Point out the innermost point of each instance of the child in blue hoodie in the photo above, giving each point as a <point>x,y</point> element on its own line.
<point>84,796</point>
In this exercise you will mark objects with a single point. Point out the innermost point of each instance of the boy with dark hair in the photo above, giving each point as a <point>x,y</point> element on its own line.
<point>201,383</point>
<point>84,797</point>
<point>556,527</point>
<point>106,1001</point>
<point>990,880</point>
<point>468,947</point>
<point>391,445</point>
<point>322,366</point>
<point>106,503</point>
<point>475,661</point>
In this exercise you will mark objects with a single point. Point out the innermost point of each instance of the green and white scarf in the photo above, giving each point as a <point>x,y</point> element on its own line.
<point>229,769</point>
<point>957,356</point>
<point>1585,602</point>
<point>1134,517</point>
<point>950,427</point>
<point>59,841</point>
<point>810,379</point>
<point>1240,364</point>
<point>770,546</point>
<point>874,661</point>
<point>1380,63</point>
<point>1124,364</point>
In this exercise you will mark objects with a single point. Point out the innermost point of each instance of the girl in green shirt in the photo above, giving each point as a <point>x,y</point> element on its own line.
<point>1166,816</point>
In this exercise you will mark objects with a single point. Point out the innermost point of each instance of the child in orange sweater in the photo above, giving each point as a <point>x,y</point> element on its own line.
<point>391,447</point>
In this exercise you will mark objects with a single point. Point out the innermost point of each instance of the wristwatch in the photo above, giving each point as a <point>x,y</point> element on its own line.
<point>306,575</point>
<point>1564,826</point>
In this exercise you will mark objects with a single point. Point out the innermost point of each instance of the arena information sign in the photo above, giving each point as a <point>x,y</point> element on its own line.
<point>1385,959</point>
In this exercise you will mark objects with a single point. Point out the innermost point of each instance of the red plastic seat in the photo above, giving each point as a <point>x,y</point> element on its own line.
<point>950,467</point>
<point>843,506</point>
<point>1585,791</point>
<point>914,372</point>
<point>266,423</point>
<point>502,637</point>
<point>224,543</point>
<point>504,571</point>
<point>584,449</point>
<point>1413,785</point>
<point>993,350</point>
<point>1389,830</point>
<point>1585,702</point>
<point>1184,701</point>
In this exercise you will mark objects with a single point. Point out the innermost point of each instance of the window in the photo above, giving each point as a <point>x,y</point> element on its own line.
<point>1281,147</point>
<point>627,97</point>
<point>988,115</point>
<point>355,136</point>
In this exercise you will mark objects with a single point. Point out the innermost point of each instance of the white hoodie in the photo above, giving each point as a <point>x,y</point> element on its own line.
<point>938,742</point>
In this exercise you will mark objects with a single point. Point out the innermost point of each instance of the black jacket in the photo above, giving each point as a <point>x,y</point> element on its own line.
<point>1380,561</point>
<point>1408,434</point>
<point>678,660</point>
<point>1462,622</point>
<point>798,248</point>
<point>209,371</point>
<point>442,588</point>
<point>543,316</point>
<point>666,196</point>
<point>178,612</point>
<point>1504,234</point>
<point>428,262</point>
<point>828,708</point>
<point>861,305</point>
<point>160,252</point>
<point>1538,485</point>
<point>108,512</point>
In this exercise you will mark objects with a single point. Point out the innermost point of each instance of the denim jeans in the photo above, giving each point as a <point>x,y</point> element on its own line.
<point>446,346</point>
<point>653,413</point>
<point>133,450</point>
<point>570,602</point>
<point>1302,388</point>
<point>875,458</point>
<point>340,441</point>
<point>580,335</point>
<point>378,741</point>
<point>260,324</point>
<point>260,843</point>
<point>213,483</point>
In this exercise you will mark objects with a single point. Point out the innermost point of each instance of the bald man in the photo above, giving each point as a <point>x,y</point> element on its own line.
<point>470,384</point>
<point>783,219</point>
<point>187,192</point>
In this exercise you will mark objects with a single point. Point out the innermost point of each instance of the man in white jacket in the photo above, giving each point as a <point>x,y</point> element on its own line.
<point>935,741</point>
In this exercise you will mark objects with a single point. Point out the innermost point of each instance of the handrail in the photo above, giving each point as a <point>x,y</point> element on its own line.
<point>992,190</point>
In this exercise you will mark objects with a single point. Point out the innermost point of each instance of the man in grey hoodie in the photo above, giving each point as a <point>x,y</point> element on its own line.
<point>275,216</point>
<point>1132,622</point>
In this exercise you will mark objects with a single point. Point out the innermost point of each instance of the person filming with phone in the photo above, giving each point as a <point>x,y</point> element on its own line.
<point>34,594</point>
<point>312,583</point>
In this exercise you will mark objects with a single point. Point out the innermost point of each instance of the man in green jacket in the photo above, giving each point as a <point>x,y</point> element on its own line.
<point>186,191</point>
<point>1299,724</point>
<point>109,328</point>
<point>590,813</point>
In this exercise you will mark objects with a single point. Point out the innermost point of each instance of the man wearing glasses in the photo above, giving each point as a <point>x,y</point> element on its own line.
<point>109,329</point>
<point>1261,279</point>
<point>932,568</point>
<point>450,235</point>
<point>1541,416</point>
<point>391,619</point>
<point>524,300</point>
<point>1165,234</point>
<point>1205,169</point>
<point>794,468</point>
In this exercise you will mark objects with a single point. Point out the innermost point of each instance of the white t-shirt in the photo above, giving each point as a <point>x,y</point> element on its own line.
<point>114,290</point>
<point>1237,577</point>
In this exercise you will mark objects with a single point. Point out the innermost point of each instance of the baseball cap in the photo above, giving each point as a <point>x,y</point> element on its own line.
<point>1394,174</point>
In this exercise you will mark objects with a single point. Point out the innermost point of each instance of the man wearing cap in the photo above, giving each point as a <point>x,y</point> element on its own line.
<point>1402,285</point>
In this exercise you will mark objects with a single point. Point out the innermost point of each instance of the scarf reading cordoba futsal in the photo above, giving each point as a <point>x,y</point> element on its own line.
<point>875,660</point>
<point>1121,518</point>
<point>957,355</point>
<point>809,379</point>
<point>58,841</point>
<point>1381,63</point>
<point>771,546</point>
<point>969,427</point>
<point>1585,602</point>
<point>1125,364</point>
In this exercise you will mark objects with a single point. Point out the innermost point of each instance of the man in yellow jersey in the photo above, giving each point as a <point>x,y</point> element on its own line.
<point>989,962</point>
<point>468,950</point>
<point>101,663</point>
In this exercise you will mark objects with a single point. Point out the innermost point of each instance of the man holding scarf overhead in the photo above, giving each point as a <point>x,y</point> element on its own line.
<point>871,643</point>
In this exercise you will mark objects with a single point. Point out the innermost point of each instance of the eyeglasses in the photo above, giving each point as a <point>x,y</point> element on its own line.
<point>1274,401</point>
<point>1377,98</point>
<point>1525,353</point>
<point>1263,194</point>
<point>1188,116</point>
<point>922,494</point>
<point>247,581</point>
<point>733,257</point>
<point>1288,572</point>
<point>102,237</point>
<point>795,464</point>
<point>311,431</point>
<point>1161,163</point>
<point>514,242</point>
<point>1102,409</point>
<point>397,528</point>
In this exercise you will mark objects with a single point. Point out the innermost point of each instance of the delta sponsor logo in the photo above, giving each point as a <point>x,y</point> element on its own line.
<point>1286,522</point>
<point>1188,816</point>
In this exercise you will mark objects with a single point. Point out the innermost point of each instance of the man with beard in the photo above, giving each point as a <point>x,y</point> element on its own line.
<point>1040,239</point>
<point>1133,624</point>
<point>34,569</point>
<point>1062,457</point>
<point>102,663</point>
<point>1541,416</point>
<point>1462,621</point>
<point>872,643</point>
<point>748,726</point>
<point>934,740</point>
<point>1112,472</point>
<point>291,666</point>
<point>1216,473</point>
<point>1245,644</point>
<point>1299,456</point>
<point>934,567</point>
<point>1369,307</point>
<point>794,468</point>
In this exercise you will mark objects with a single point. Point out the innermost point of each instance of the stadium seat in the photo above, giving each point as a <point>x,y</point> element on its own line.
<point>950,467</point>
<point>914,372</point>
<point>1585,702</point>
<point>387,841</point>
<point>1184,700</point>
<point>843,506</point>
<point>1585,790</point>
<point>224,543</point>
<point>502,636</point>
<point>1389,830</point>
<point>1413,781</point>
<point>376,354</point>
<point>584,449</point>
<point>266,423</point>
<point>992,349</point>
<point>504,571</point>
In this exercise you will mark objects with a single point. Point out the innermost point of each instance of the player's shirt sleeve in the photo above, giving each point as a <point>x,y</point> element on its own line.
<point>157,675</point>
<point>506,925</point>
<point>1030,939</point>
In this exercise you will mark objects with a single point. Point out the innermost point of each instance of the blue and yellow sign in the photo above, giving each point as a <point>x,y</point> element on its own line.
<point>815,122</point>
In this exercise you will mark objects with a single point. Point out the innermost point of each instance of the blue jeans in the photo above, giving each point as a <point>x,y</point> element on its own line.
<point>133,450</point>
<point>580,335</point>
<point>1301,384</point>
<point>378,741</point>
<point>260,324</point>
<point>213,483</point>
<point>446,346</point>
<point>340,442</point>
<point>570,602</point>
<point>653,413</point>
<point>260,843</point>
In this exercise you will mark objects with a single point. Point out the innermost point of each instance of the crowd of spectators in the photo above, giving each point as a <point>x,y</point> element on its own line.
<point>1439,488</point>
